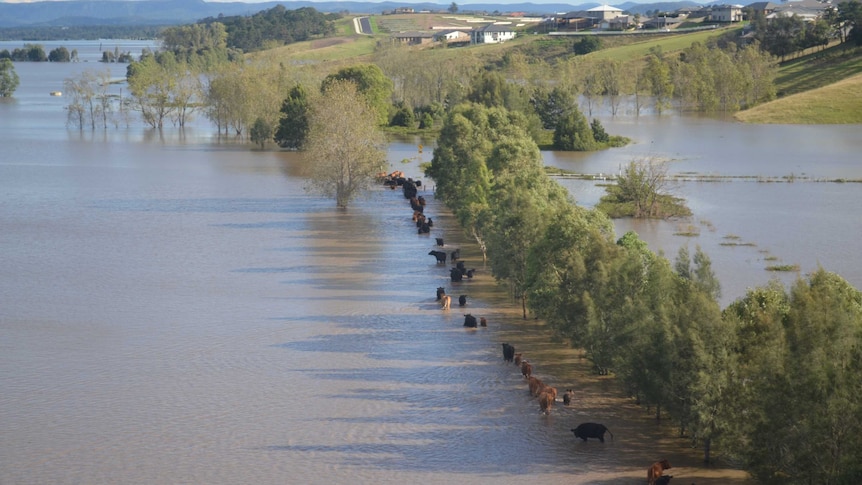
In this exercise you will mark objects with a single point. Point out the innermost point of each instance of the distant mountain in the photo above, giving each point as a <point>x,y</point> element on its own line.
<point>173,12</point>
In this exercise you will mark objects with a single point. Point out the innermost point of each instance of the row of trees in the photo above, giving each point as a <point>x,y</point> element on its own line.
<point>772,381</point>
<point>36,53</point>
<point>783,36</point>
<point>274,27</point>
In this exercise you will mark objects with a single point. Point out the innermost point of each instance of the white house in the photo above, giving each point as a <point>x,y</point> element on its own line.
<point>726,13</point>
<point>492,34</point>
<point>604,12</point>
<point>453,36</point>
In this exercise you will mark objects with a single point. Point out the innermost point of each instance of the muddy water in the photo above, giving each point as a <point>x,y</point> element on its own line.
<point>176,311</point>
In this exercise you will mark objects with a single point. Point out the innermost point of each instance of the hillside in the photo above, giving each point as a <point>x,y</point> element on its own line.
<point>173,12</point>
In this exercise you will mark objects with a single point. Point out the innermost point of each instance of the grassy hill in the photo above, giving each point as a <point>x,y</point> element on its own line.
<point>813,74</point>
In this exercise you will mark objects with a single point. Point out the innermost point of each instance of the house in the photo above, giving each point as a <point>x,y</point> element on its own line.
<point>578,20</point>
<point>726,13</point>
<point>622,22</point>
<point>453,37</point>
<point>401,10</point>
<point>492,34</point>
<point>762,8</point>
<point>604,12</point>
<point>807,10</point>
<point>662,22</point>
<point>413,38</point>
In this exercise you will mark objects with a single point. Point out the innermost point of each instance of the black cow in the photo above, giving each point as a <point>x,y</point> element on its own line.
<point>592,430</point>
<point>470,273</point>
<point>439,241</point>
<point>663,480</point>
<point>424,228</point>
<point>455,275</point>
<point>409,189</point>
<point>440,255</point>
<point>431,223</point>
<point>470,321</point>
<point>567,396</point>
<point>508,352</point>
<point>455,255</point>
<point>440,292</point>
<point>483,322</point>
<point>462,300</point>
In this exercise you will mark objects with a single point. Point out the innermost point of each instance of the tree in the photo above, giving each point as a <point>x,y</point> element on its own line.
<point>554,105</point>
<point>89,102</point>
<point>261,132</point>
<point>346,149</point>
<point>573,133</point>
<point>371,83</point>
<point>60,54</point>
<point>850,18</point>
<point>453,8</point>
<point>293,124</point>
<point>642,191</point>
<point>8,78</point>
<point>657,77</point>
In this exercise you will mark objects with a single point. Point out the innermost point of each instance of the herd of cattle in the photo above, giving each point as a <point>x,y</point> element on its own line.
<point>545,394</point>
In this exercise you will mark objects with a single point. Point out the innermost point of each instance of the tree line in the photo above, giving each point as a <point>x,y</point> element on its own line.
<point>274,27</point>
<point>771,382</point>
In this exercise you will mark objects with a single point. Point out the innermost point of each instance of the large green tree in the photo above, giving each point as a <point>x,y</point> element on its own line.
<point>371,83</point>
<point>345,151</point>
<point>293,124</point>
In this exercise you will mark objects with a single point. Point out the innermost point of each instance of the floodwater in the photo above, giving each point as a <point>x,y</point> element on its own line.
<point>176,309</point>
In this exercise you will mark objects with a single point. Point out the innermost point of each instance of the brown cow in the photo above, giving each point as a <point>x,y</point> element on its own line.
<point>518,358</point>
<point>536,385</point>
<point>546,400</point>
<point>552,391</point>
<point>483,322</point>
<point>526,369</point>
<point>445,301</point>
<point>656,470</point>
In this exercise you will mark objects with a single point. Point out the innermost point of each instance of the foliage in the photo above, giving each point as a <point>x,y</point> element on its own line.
<point>552,106</point>
<point>586,44</point>
<point>261,132</point>
<point>293,125</point>
<point>642,191</point>
<point>403,117</point>
<point>30,52</point>
<point>202,44</point>
<point>276,25</point>
<point>371,83</point>
<point>8,78</point>
<point>599,133</point>
<point>346,150</point>
<point>59,54</point>
<point>573,133</point>
<point>89,103</point>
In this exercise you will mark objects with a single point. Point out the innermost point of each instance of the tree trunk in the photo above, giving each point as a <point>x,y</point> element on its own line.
<point>706,445</point>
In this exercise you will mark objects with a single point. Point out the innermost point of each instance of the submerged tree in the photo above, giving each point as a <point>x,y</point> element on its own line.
<point>8,78</point>
<point>643,191</point>
<point>344,145</point>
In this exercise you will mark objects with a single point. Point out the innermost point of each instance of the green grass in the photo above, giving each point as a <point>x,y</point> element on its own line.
<point>818,69</point>
<point>838,103</point>
<point>668,43</point>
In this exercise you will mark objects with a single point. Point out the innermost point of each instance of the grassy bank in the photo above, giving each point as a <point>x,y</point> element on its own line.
<point>819,88</point>
<point>838,103</point>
